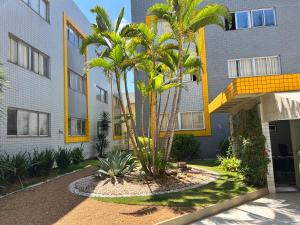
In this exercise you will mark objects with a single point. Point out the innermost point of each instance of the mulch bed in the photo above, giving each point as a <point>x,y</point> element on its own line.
<point>53,203</point>
<point>134,185</point>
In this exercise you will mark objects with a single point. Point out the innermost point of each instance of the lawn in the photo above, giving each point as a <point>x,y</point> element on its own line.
<point>227,186</point>
<point>54,173</point>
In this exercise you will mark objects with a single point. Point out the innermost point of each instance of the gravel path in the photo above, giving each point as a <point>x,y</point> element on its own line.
<point>52,203</point>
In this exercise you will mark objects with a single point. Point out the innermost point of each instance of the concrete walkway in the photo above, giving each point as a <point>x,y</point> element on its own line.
<point>276,209</point>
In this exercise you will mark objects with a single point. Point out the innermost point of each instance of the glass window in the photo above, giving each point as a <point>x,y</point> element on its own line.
<point>186,120</point>
<point>23,55</point>
<point>35,5</point>
<point>269,17</point>
<point>242,20</point>
<point>83,127</point>
<point>258,18</point>
<point>13,50</point>
<point>273,65</point>
<point>245,67</point>
<point>33,123</point>
<point>11,122</point>
<point>43,9</point>
<point>233,68</point>
<point>23,122</point>
<point>43,124</point>
<point>197,120</point>
<point>76,82</point>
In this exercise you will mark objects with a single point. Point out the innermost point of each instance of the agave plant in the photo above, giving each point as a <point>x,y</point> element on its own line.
<point>117,164</point>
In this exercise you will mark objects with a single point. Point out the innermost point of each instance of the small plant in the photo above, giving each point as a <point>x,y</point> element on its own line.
<point>185,147</point>
<point>77,155</point>
<point>224,147</point>
<point>117,164</point>
<point>103,126</point>
<point>229,163</point>
<point>41,163</point>
<point>62,158</point>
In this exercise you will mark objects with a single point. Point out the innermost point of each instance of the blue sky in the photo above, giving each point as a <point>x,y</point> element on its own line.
<point>113,7</point>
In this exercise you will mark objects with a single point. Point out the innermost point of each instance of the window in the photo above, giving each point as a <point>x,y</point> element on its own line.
<point>27,123</point>
<point>263,17</point>
<point>39,63</point>
<point>41,7</point>
<point>253,67</point>
<point>77,127</point>
<point>77,82</point>
<point>74,37</point>
<point>117,129</point>
<point>185,121</point>
<point>102,95</point>
<point>189,78</point>
<point>242,20</point>
<point>20,52</point>
<point>251,18</point>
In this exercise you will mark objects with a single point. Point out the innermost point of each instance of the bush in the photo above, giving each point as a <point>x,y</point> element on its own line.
<point>185,147</point>
<point>62,158</point>
<point>41,163</point>
<point>14,167</point>
<point>117,164</point>
<point>229,163</point>
<point>77,155</point>
<point>224,147</point>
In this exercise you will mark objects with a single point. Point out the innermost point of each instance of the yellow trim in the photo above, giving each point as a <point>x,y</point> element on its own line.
<point>113,113</point>
<point>207,130</point>
<point>73,139</point>
<point>248,87</point>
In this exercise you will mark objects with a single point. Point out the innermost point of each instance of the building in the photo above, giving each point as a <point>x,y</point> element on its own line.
<point>51,100</point>
<point>253,63</point>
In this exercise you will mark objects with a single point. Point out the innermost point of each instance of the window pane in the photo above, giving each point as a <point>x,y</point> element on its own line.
<point>41,64</point>
<point>246,67</point>
<point>242,20</point>
<point>273,65</point>
<point>232,68</point>
<point>11,122</point>
<point>73,127</point>
<point>69,126</point>
<point>197,120</point>
<point>269,17</point>
<point>44,124</point>
<point>228,25</point>
<point>22,54</point>
<point>186,120</point>
<point>35,62</point>
<point>79,127</point>
<point>71,35</point>
<point>83,127</point>
<point>43,9</point>
<point>33,123</point>
<point>261,66</point>
<point>258,18</point>
<point>35,5</point>
<point>23,122</point>
<point>13,50</point>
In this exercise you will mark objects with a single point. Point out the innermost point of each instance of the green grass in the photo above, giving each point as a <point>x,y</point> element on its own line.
<point>227,186</point>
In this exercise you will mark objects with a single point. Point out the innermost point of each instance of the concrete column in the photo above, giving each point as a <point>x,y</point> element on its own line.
<point>270,176</point>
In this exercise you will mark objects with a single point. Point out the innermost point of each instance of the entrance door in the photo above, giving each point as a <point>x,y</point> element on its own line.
<point>295,139</point>
<point>282,155</point>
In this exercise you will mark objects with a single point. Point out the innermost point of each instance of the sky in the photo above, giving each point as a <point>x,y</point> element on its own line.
<point>113,7</point>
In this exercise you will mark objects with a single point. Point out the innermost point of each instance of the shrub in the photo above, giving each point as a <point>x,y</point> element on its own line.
<point>62,158</point>
<point>117,164</point>
<point>77,155</point>
<point>185,147</point>
<point>41,163</point>
<point>6,169</point>
<point>224,147</point>
<point>229,163</point>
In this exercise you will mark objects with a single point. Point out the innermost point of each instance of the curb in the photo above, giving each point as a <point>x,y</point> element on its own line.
<point>74,190</point>
<point>42,182</point>
<point>215,209</point>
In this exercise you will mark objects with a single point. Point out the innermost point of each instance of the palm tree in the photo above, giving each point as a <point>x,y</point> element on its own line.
<point>185,18</point>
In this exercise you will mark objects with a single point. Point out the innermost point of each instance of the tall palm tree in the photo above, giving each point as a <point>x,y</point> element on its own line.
<point>185,18</point>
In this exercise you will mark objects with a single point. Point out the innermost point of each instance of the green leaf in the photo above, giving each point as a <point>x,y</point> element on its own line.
<point>116,54</point>
<point>102,19</point>
<point>142,88</point>
<point>119,19</point>
<point>158,81</point>
<point>100,62</point>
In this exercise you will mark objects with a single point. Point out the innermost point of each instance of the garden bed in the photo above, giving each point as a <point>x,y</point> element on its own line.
<point>133,185</point>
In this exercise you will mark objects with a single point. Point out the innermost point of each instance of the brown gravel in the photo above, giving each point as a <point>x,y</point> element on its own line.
<point>52,203</point>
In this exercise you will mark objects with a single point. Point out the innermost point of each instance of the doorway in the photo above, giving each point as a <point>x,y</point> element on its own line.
<point>283,156</point>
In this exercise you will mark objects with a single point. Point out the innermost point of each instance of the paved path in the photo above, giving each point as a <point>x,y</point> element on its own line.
<point>279,209</point>
<point>52,203</point>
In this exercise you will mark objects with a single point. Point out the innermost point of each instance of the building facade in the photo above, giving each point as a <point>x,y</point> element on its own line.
<point>253,63</point>
<point>52,100</point>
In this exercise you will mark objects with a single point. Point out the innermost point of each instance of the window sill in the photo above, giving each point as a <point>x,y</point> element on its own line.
<point>28,136</point>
